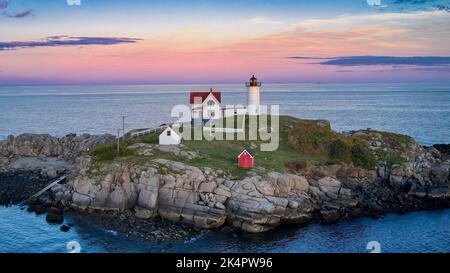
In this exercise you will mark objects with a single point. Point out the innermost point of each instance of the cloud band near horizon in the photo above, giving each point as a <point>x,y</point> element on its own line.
<point>22,14</point>
<point>53,41</point>
<point>379,60</point>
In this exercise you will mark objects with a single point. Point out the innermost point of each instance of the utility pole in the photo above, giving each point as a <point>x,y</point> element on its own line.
<point>118,142</point>
<point>123,127</point>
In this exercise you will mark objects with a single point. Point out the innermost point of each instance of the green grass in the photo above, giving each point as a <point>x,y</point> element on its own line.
<point>152,138</point>
<point>390,158</point>
<point>223,154</point>
<point>389,138</point>
<point>108,152</point>
<point>302,142</point>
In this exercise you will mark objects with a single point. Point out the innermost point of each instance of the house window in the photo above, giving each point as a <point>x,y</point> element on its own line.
<point>213,114</point>
<point>211,103</point>
<point>168,132</point>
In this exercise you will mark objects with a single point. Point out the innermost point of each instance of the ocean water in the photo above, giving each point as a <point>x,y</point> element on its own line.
<point>419,110</point>
<point>422,111</point>
<point>21,232</point>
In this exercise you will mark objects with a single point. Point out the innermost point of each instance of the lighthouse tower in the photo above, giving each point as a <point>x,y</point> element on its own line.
<point>253,96</point>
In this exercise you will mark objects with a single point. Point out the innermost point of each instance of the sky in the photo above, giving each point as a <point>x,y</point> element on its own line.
<point>207,41</point>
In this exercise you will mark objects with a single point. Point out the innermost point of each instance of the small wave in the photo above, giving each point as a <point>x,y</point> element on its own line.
<point>112,232</point>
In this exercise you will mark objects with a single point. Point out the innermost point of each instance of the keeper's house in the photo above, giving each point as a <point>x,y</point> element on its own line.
<point>205,106</point>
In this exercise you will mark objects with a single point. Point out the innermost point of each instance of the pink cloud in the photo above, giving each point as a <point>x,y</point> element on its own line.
<point>152,61</point>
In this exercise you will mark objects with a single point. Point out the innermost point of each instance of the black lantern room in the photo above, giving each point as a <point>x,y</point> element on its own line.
<point>253,82</point>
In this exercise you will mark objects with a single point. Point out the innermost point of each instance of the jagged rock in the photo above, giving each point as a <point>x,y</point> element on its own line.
<point>117,199</point>
<point>207,186</point>
<point>329,216</point>
<point>223,191</point>
<point>83,164</point>
<point>400,173</point>
<point>64,228</point>
<point>55,215</point>
<point>330,185</point>
<point>289,182</point>
<point>220,205</point>
<point>143,213</point>
<point>54,218</point>
<point>50,173</point>
<point>268,188</point>
<point>208,198</point>
<point>255,204</point>
<point>148,199</point>
<point>256,212</point>
<point>440,173</point>
<point>317,194</point>
<point>254,228</point>
<point>39,209</point>
<point>34,145</point>
<point>83,185</point>
<point>434,152</point>
<point>4,161</point>
<point>80,200</point>
<point>293,204</point>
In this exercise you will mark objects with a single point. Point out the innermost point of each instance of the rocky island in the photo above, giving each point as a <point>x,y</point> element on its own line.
<point>317,175</point>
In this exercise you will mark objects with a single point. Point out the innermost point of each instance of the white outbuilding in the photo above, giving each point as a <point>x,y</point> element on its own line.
<point>170,136</point>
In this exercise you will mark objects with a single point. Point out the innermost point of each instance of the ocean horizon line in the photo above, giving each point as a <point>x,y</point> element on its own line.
<point>219,83</point>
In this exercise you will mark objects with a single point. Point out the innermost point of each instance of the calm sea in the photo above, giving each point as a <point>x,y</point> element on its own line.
<point>414,232</point>
<point>422,111</point>
<point>419,110</point>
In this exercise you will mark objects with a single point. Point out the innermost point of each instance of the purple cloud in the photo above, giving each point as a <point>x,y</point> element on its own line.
<point>413,5</point>
<point>66,41</point>
<point>22,14</point>
<point>345,71</point>
<point>347,61</point>
<point>4,4</point>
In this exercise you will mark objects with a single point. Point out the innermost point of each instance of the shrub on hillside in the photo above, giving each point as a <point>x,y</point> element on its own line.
<point>362,157</point>
<point>311,137</point>
<point>340,151</point>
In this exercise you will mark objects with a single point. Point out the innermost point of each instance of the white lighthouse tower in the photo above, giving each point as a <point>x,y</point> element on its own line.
<point>253,96</point>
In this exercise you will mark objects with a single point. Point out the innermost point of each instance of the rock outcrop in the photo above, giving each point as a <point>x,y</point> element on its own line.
<point>47,154</point>
<point>210,198</point>
<point>207,198</point>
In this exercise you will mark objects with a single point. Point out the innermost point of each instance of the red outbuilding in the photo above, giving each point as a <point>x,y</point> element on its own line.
<point>246,160</point>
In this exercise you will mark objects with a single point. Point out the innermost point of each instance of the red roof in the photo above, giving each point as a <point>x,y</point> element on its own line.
<point>204,95</point>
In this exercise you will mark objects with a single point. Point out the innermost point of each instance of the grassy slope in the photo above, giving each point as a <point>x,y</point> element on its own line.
<point>301,141</point>
<point>223,154</point>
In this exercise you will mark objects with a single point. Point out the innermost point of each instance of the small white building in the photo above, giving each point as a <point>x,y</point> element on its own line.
<point>170,136</point>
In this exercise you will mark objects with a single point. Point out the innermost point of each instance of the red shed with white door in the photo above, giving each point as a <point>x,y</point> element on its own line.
<point>246,160</point>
